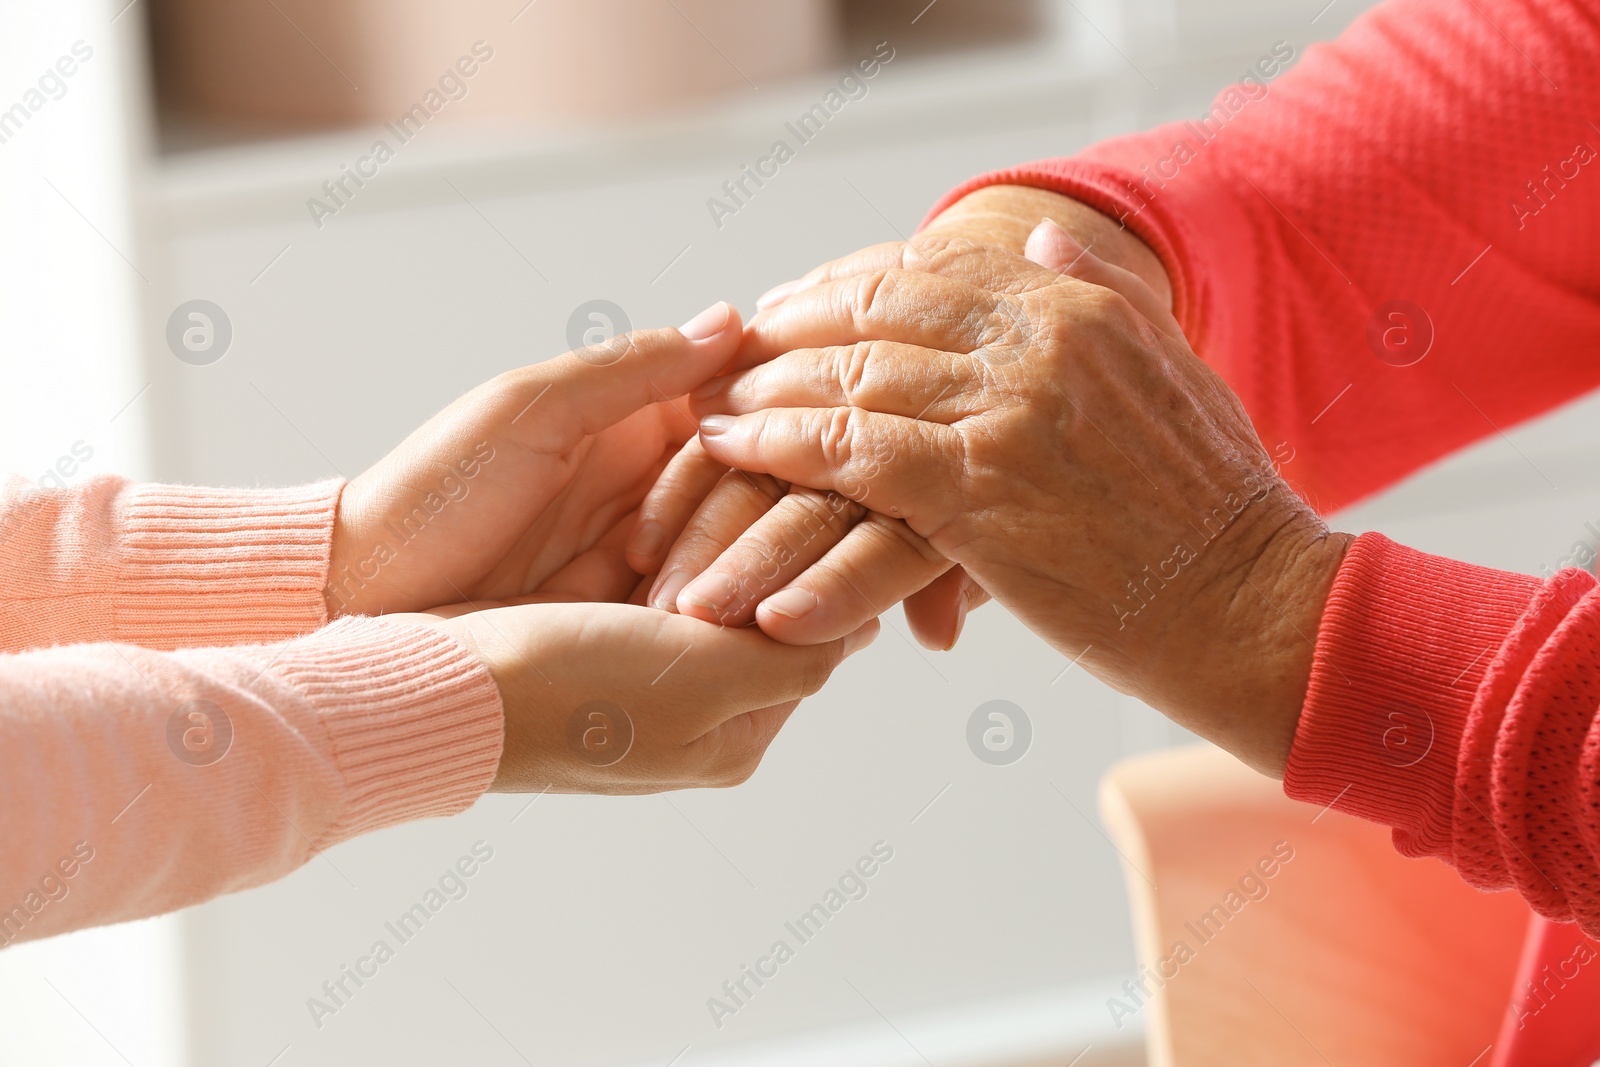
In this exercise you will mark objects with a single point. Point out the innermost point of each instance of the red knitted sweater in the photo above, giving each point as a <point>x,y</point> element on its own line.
<point>1390,252</point>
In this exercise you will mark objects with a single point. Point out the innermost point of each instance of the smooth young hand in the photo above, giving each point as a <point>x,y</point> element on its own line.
<point>511,490</point>
<point>618,698</point>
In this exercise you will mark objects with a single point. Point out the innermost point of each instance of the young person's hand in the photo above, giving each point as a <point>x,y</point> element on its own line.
<point>510,490</point>
<point>615,698</point>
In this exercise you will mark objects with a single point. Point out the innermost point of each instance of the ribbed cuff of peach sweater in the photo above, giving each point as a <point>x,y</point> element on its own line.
<point>204,567</point>
<point>412,718</point>
<point>162,566</point>
<point>1403,645</point>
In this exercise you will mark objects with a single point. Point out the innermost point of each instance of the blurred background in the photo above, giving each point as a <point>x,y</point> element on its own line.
<point>557,165</point>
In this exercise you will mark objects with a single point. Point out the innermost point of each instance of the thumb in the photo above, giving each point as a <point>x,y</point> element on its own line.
<point>588,389</point>
<point>1051,246</point>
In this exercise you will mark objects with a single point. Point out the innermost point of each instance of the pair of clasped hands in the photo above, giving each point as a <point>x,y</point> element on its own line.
<point>698,525</point>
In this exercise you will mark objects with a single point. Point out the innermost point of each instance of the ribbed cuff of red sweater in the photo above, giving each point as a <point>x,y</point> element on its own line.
<point>412,716</point>
<point>1404,643</point>
<point>208,567</point>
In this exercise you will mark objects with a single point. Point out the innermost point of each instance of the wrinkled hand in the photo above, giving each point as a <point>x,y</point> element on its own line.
<point>513,489</point>
<point>808,565</point>
<point>1077,460</point>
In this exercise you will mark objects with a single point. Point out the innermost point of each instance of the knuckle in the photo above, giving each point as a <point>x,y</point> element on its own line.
<point>726,763</point>
<point>924,252</point>
<point>816,670</point>
<point>851,368</point>
<point>728,775</point>
<point>838,436</point>
<point>753,563</point>
<point>1108,303</point>
<point>650,342</point>
<point>871,292</point>
<point>835,580</point>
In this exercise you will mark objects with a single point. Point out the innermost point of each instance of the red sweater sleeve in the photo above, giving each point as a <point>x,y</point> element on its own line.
<point>1461,706</point>
<point>1404,161</point>
<point>1440,154</point>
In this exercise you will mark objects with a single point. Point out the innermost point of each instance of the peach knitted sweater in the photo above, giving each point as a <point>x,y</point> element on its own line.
<point>180,721</point>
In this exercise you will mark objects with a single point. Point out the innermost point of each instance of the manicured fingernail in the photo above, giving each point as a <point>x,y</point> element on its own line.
<point>793,603</point>
<point>716,425</point>
<point>647,539</point>
<point>777,294</point>
<point>961,620</point>
<point>709,592</point>
<point>856,641</point>
<point>708,323</point>
<point>665,594</point>
<point>711,388</point>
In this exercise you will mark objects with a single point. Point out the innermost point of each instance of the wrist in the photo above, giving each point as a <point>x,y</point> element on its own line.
<point>355,559</point>
<point>1244,650</point>
<point>1005,215</point>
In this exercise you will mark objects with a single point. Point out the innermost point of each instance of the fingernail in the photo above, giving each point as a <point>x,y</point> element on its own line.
<point>961,620</point>
<point>854,642</point>
<point>711,388</point>
<point>792,603</point>
<point>716,425</point>
<point>777,294</point>
<point>709,592</point>
<point>1063,232</point>
<point>665,594</point>
<point>707,324</point>
<point>647,539</point>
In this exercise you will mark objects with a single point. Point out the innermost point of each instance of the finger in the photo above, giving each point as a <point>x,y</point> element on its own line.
<point>896,379</point>
<point>582,392</point>
<point>884,256</point>
<point>724,672</point>
<point>1050,245</point>
<point>688,478</point>
<point>910,307</point>
<point>763,555</point>
<point>984,265</point>
<point>938,613</point>
<point>880,562</point>
<point>903,468</point>
<point>737,500</point>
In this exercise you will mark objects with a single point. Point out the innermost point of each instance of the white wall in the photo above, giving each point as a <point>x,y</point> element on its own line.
<point>74,271</point>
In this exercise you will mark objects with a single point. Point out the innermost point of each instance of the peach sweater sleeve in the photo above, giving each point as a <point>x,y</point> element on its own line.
<point>160,565</point>
<point>137,780</point>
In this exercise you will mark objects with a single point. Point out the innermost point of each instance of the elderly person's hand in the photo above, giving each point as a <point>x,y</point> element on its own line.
<point>1080,463</point>
<point>723,542</point>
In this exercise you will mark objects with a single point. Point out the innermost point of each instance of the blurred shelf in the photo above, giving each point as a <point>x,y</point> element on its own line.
<point>208,177</point>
